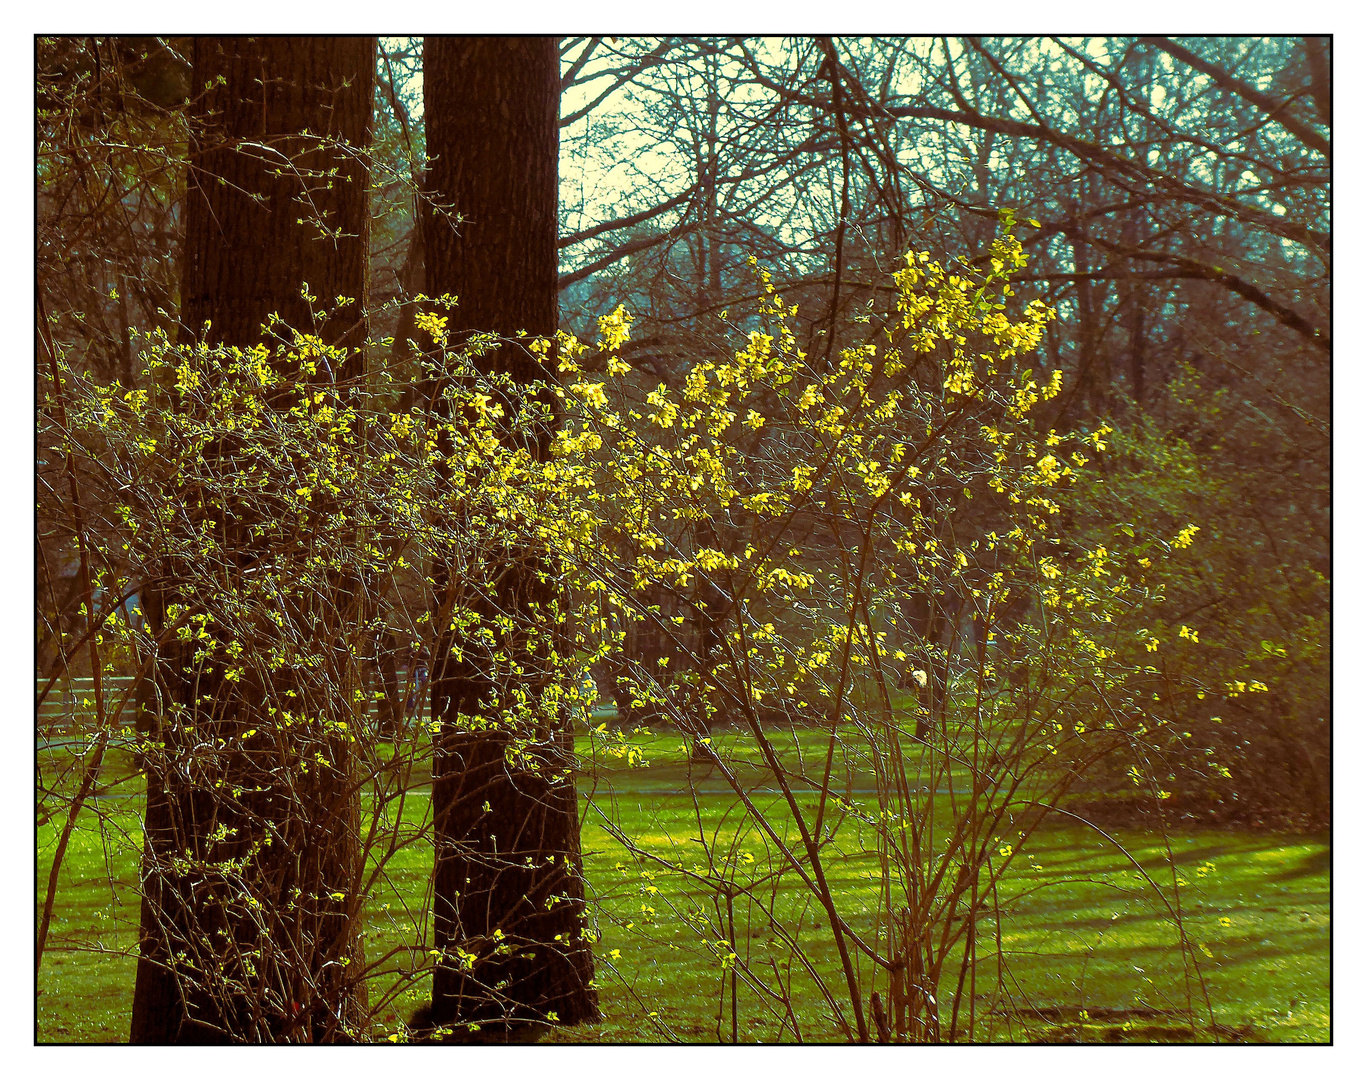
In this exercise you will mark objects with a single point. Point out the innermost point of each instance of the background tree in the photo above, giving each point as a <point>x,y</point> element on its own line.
<point>1182,193</point>
<point>111,137</point>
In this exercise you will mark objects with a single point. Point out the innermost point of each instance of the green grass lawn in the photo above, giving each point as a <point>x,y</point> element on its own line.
<point>1084,951</point>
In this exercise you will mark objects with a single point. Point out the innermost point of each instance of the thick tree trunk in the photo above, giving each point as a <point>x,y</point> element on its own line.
<point>509,879</point>
<point>257,183</point>
<point>259,953</point>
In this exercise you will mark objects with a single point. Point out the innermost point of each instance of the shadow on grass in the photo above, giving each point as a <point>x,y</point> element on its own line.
<point>1315,863</point>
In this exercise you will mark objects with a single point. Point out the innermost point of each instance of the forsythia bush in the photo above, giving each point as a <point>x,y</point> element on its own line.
<point>869,543</point>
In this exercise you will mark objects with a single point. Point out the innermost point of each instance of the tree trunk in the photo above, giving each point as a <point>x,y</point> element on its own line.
<point>247,251</point>
<point>263,216</point>
<point>509,879</point>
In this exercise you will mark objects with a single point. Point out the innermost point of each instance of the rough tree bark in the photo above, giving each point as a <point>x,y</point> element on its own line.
<point>509,880</point>
<point>263,215</point>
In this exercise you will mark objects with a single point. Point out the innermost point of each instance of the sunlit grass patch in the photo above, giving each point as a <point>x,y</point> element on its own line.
<point>1081,929</point>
